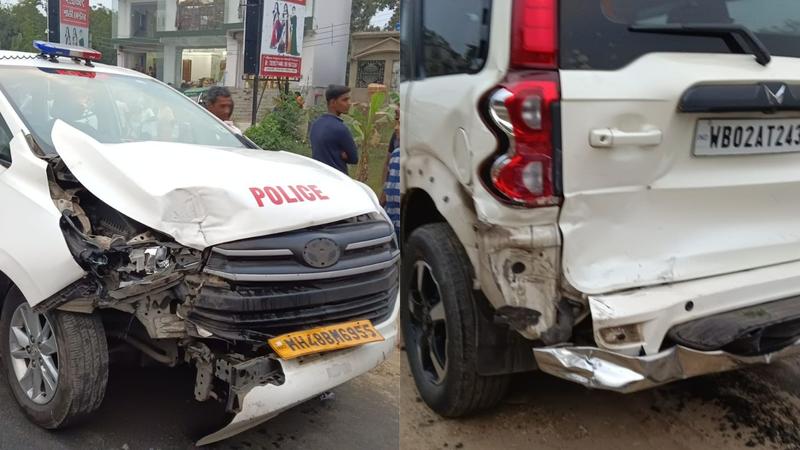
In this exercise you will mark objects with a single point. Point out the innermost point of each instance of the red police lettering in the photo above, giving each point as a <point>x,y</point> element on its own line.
<point>258,194</point>
<point>306,193</point>
<point>286,196</point>
<point>273,195</point>
<point>279,195</point>
<point>296,194</point>
<point>317,191</point>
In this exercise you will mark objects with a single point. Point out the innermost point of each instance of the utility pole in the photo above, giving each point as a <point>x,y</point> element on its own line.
<point>259,5</point>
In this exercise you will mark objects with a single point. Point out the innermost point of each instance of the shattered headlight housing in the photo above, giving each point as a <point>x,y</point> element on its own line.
<point>150,260</point>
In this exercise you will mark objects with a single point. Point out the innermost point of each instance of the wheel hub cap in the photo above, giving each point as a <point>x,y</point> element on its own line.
<point>34,354</point>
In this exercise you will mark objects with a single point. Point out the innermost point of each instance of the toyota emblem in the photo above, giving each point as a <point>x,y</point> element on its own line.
<point>321,252</point>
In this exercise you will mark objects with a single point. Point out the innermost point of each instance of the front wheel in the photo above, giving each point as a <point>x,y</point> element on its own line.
<point>439,317</point>
<point>56,363</point>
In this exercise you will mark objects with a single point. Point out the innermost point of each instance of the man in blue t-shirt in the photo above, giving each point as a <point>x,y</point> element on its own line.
<point>331,141</point>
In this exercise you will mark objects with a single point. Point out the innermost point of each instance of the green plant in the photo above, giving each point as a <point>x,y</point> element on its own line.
<point>368,124</point>
<point>280,129</point>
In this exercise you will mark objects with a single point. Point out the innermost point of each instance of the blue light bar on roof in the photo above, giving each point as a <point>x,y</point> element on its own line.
<point>70,51</point>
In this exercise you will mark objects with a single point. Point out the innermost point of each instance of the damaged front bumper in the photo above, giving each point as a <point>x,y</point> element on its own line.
<point>305,378</point>
<point>604,369</point>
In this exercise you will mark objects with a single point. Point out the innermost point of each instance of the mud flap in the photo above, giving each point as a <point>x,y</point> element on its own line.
<point>307,378</point>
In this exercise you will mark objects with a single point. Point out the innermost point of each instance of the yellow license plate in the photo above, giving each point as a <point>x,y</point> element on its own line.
<point>324,339</point>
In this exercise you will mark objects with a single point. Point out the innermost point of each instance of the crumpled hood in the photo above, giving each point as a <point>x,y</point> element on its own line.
<point>203,196</point>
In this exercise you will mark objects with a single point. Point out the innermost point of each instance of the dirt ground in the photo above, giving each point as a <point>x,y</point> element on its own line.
<point>755,408</point>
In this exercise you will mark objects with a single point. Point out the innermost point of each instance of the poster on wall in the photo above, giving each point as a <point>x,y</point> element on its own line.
<point>282,38</point>
<point>74,22</point>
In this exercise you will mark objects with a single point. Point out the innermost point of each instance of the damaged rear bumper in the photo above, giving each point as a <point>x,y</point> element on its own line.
<point>308,377</point>
<point>604,369</point>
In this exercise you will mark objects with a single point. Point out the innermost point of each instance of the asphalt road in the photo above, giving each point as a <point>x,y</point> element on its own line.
<point>755,408</point>
<point>154,409</point>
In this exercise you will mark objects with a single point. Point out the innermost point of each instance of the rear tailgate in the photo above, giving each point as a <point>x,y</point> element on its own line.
<point>654,195</point>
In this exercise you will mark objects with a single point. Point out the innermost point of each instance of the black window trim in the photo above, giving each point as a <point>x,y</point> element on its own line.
<point>4,126</point>
<point>414,58</point>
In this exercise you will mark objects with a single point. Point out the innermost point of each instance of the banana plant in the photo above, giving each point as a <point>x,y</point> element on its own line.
<point>365,125</point>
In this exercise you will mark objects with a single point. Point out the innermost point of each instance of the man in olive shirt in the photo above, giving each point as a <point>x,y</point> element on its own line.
<point>331,141</point>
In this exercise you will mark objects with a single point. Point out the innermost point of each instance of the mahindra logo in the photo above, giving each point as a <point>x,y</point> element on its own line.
<point>776,97</point>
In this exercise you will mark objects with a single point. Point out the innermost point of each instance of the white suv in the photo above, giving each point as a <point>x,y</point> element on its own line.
<point>133,220</point>
<point>603,190</point>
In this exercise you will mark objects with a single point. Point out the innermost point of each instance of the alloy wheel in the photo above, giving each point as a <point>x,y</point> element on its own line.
<point>34,354</point>
<point>428,322</point>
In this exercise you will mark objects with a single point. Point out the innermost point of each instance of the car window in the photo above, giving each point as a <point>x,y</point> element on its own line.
<point>110,108</point>
<point>454,36</point>
<point>5,143</point>
<point>595,34</point>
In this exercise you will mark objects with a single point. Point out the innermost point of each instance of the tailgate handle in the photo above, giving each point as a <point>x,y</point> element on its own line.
<point>611,137</point>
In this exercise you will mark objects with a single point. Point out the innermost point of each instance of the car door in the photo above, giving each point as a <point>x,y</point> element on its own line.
<point>33,252</point>
<point>681,151</point>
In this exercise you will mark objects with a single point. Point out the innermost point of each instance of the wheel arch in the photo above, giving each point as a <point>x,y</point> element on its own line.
<point>5,286</point>
<point>432,194</point>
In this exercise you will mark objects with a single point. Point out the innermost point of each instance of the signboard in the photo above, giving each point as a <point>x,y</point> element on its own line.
<point>282,38</point>
<point>69,22</point>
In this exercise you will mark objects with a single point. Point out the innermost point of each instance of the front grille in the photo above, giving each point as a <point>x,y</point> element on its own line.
<point>272,289</point>
<point>364,246</point>
<point>275,308</point>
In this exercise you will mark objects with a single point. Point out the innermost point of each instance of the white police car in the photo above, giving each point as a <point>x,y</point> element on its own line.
<point>134,218</point>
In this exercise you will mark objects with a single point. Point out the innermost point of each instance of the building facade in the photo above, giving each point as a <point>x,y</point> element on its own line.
<point>198,43</point>
<point>374,59</point>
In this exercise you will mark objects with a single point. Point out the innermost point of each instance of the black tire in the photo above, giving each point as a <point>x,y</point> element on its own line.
<point>461,390</point>
<point>82,357</point>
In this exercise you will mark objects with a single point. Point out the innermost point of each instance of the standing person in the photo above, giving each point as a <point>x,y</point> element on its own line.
<point>331,141</point>
<point>276,26</point>
<point>218,101</point>
<point>293,43</point>
<point>284,42</point>
<point>390,198</point>
<point>394,141</point>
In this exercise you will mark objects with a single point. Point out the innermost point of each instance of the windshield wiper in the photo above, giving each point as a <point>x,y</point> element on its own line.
<point>727,32</point>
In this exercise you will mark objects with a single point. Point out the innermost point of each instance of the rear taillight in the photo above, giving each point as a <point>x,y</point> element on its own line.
<point>522,108</point>
<point>534,34</point>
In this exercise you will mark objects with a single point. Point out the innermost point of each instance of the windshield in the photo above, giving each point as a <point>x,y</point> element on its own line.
<point>595,35</point>
<point>110,108</point>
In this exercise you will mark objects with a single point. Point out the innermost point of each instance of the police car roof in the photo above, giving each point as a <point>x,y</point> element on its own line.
<point>24,59</point>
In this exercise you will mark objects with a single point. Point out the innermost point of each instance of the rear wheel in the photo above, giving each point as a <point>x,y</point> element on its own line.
<point>438,314</point>
<point>56,363</point>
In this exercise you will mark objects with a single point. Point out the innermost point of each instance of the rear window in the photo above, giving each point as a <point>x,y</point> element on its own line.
<point>595,35</point>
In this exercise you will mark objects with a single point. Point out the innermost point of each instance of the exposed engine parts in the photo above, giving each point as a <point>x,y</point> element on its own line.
<point>217,308</point>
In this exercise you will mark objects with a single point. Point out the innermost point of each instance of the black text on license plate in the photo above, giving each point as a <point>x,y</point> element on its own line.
<point>732,137</point>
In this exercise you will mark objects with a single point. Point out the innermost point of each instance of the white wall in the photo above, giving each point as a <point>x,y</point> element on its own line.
<point>329,43</point>
<point>234,47</point>
<point>167,10</point>
<point>172,69</point>
<point>123,19</point>
<point>201,65</point>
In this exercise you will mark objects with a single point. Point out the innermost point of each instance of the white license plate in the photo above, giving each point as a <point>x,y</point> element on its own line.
<point>746,136</point>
